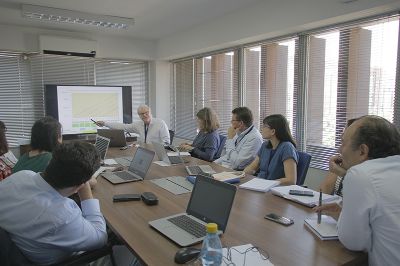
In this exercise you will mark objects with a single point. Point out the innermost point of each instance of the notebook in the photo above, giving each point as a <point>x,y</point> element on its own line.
<point>326,230</point>
<point>259,184</point>
<point>137,169</point>
<point>116,136</point>
<point>199,169</point>
<point>283,191</point>
<point>163,156</point>
<point>101,145</point>
<point>175,184</point>
<point>210,201</point>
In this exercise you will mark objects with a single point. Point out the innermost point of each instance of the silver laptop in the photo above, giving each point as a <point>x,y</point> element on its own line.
<point>101,145</point>
<point>163,155</point>
<point>199,170</point>
<point>137,169</point>
<point>116,136</point>
<point>211,201</point>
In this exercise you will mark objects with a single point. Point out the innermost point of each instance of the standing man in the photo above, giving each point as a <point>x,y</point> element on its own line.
<point>150,129</point>
<point>370,217</point>
<point>41,220</point>
<point>243,140</point>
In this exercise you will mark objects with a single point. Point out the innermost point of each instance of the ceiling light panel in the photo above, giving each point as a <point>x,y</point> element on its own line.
<point>75,17</point>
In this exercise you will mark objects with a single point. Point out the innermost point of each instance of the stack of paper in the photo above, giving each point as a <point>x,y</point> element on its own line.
<point>229,177</point>
<point>326,230</point>
<point>308,201</point>
<point>260,184</point>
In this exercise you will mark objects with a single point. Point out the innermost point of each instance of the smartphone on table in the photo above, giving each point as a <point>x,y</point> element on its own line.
<point>279,219</point>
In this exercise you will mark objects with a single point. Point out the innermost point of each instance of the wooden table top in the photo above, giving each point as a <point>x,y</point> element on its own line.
<point>292,245</point>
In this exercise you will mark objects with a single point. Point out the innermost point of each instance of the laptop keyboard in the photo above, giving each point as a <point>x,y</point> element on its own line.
<point>195,170</point>
<point>175,159</point>
<point>189,225</point>
<point>126,176</point>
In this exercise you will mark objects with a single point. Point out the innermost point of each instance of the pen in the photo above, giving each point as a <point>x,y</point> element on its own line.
<point>93,121</point>
<point>319,204</point>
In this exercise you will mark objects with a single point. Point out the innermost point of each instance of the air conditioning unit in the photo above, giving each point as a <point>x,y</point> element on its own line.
<point>67,46</point>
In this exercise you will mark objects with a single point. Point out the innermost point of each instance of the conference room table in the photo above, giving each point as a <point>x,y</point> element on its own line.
<point>286,245</point>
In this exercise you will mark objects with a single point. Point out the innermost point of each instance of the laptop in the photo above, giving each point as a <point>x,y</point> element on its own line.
<point>101,145</point>
<point>137,170</point>
<point>200,170</point>
<point>163,155</point>
<point>116,136</point>
<point>210,201</point>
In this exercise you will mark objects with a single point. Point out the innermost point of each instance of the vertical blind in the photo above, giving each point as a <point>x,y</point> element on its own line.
<point>22,80</point>
<point>318,80</point>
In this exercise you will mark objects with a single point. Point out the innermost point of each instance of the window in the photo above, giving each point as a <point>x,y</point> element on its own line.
<point>352,72</point>
<point>318,80</point>
<point>22,79</point>
<point>268,80</point>
<point>209,81</point>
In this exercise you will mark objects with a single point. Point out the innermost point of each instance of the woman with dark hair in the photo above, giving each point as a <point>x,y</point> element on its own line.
<point>7,158</point>
<point>206,143</point>
<point>277,158</point>
<point>45,136</point>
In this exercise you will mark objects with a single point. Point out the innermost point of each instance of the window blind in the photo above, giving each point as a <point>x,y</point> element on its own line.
<point>268,82</point>
<point>352,72</point>
<point>125,73</point>
<point>22,80</point>
<point>17,101</point>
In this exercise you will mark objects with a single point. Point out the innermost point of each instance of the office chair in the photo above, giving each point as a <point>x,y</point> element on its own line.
<point>171,136</point>
<point>222,140</point>
<point>302,167</point>
<point>10,255</point>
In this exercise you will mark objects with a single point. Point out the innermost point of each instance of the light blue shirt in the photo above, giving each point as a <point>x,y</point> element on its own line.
<point>241,150</point>
<point>271,162</point>
<point>46,226</point>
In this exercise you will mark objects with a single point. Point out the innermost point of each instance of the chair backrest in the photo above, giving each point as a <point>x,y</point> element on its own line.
<point>171,136</point>
<point>10,253</point>
<point>302,167</point>
<point>222,140</point>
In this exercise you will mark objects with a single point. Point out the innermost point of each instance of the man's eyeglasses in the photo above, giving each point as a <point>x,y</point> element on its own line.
<point>144,113</point>
<point>233,120</point>
<point>266,126</point>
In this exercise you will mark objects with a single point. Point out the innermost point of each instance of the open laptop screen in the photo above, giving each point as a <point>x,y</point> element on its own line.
<point>211,201</point>
<point>141,161</point>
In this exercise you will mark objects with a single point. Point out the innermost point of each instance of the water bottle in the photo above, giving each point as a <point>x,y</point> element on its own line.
<point>211,252</point>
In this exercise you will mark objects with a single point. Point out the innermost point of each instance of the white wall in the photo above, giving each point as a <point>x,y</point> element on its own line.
<point>14,38</point>
<point>267,19</point>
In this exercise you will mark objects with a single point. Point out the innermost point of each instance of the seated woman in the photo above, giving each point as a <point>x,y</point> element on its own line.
<point>7,158</point>
<point>206,143</point>
<point>333,184</point>
<point>277,158</point>
<point>45,136</point>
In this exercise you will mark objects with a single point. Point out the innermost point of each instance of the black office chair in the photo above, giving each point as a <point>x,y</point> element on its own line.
<point>171,136</point>
<point>10,255</point>
<point>222,140</point>
<point>302,167</point>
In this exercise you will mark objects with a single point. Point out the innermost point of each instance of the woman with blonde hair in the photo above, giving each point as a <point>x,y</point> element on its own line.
<point>206,143</point>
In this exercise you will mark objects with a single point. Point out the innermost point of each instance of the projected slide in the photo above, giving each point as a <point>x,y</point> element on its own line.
<point>78,104</point>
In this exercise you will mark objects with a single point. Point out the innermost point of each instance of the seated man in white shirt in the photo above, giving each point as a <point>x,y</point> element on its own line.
<point>41,220</point>
<point>243,140</point>
<point>149,129</point>
<point>370,217</point>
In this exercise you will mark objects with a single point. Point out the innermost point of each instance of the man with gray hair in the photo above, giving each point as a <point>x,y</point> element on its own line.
<point>150,129</point>
<point>370,217</point>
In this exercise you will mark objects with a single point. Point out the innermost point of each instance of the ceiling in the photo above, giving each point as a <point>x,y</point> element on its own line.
<point>154,19</point>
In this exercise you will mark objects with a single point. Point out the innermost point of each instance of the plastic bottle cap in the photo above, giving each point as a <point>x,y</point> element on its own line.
<point>212,228</point>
